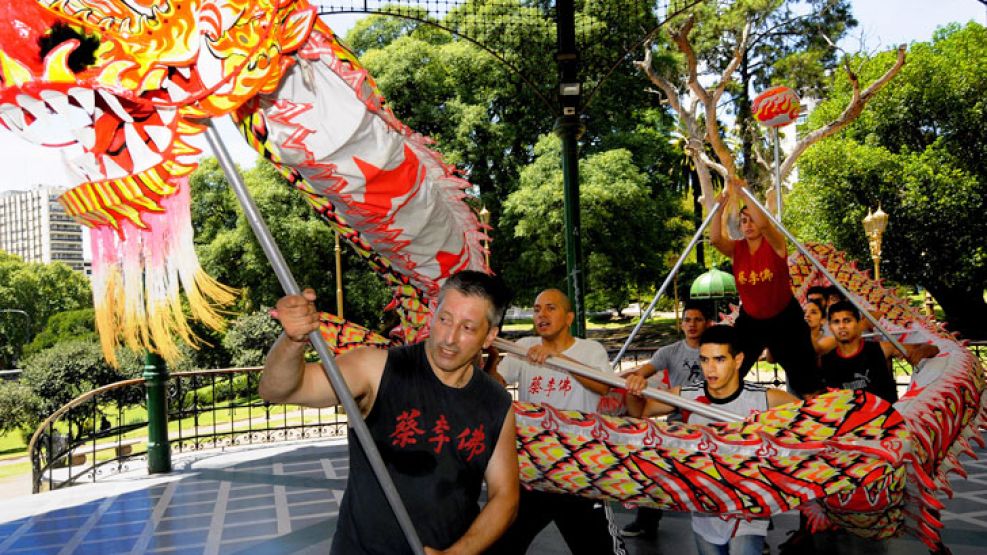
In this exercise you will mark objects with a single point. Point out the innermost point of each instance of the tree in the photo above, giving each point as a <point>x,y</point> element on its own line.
<point>18,407</point>
<point>917,152</point>
<point>249,337</point>
<point>39,290</point>
<point>697,105</point>
<point>486,119</point>
<point>64,326</point>
<point>67,370</point>
<point>623,259</point>
<point>230,252</point>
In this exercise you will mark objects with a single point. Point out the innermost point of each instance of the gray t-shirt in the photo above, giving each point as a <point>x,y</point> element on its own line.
<point>677,365</point>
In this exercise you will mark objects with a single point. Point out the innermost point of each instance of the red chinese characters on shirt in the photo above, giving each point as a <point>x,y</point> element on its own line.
<point>563,386</point>
<point>754,278</point>
<point>471,441</point>
<point>407,428</point>
<point>440,438</point>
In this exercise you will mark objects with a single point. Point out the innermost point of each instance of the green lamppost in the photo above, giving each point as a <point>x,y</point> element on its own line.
<point>156,384</point>
<point>714,285</point>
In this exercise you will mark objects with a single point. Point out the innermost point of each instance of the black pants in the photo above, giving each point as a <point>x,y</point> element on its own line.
<point>648,518</point>
<point>586,529</point>
<point>788,337</point>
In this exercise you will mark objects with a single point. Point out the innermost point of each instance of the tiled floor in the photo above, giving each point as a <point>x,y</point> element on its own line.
<point>285,500</point>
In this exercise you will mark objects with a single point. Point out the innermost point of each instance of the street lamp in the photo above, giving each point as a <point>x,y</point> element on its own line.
<point>485,218</point>
<point>874,226</point>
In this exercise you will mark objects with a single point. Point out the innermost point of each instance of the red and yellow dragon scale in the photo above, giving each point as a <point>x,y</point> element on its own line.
<point>119,86</point>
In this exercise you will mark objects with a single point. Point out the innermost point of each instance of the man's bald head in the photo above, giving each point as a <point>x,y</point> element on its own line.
<point>557,296</point>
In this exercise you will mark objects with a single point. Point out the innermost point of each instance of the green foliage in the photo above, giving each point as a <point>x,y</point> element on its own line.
<point>249,337</point>
<point>485,119</point>
<point>18,407</point>
<point>230,252</point>
<point>621,259</point>
<point>67,370</point>
<point>64,326</point>
<point>40,290</point>
<point>917,151</point>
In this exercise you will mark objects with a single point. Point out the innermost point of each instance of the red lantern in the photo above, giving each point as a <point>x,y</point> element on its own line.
<point>776,107</point>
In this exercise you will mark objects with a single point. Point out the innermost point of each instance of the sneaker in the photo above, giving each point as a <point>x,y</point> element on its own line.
<point>635,530</point>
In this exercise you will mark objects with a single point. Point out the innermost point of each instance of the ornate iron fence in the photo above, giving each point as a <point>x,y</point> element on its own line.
<point>103,432</point>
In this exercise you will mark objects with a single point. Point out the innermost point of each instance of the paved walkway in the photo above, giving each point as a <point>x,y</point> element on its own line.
<point>285,499</point>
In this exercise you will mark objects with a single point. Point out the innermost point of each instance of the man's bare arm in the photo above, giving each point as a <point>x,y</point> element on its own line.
<point>287,378</point>
<point>914,352</point>
<point>639,406</point>
<point>717,237</point>
<point>502,481</point>
<point>779,397</point>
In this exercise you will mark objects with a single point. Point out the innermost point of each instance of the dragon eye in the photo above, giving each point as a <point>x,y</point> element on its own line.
<point>80,58</point>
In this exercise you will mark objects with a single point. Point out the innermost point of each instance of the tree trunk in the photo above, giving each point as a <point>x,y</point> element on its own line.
<point>966,311</point>
<point>744,117</point>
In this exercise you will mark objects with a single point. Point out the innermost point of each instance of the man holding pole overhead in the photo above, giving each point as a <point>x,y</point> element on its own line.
<point>442,426</point>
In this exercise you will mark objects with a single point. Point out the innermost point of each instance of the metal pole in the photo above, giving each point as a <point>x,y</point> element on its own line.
<point>777,172</point>
<point>832,279</point>
<point>339,275</point>
<point>569,129</point>
<point>613,380</point>
<point>290,287</point>
<point>668,279</point>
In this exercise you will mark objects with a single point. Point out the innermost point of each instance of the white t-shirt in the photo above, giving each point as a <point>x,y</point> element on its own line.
<point>541,384</point>
<point>750,399</point>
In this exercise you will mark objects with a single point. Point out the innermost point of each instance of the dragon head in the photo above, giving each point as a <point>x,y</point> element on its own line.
<point>116,85</point>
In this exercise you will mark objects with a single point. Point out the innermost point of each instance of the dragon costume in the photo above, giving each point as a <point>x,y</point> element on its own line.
<point>119,86</point>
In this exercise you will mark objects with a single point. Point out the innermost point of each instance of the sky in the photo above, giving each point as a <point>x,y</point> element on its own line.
<point>882,24</point>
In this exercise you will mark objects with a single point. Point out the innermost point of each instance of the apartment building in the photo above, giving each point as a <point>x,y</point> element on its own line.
<point>34,226</point>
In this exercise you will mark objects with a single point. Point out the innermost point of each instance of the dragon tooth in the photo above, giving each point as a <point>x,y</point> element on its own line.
<point>85,166</point>
<point>140,153</point>
<point>59,104</point>
<point>113,171</point>
<point>37,108</point>
<point>13,117</point>
<point>167,115</point>
<point>185,71</point>
<point>115,105</point>
<point>86,137</point>
<point>85,97</point>
<point>177,93</point>
<point>160,135</point>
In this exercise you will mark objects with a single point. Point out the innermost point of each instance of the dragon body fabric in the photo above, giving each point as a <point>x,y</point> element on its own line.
<point>119,86</point>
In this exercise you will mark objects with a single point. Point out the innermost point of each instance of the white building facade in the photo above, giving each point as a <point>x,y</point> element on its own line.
<point>34,226</point>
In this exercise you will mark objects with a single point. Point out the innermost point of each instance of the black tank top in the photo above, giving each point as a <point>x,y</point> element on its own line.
<point>436,441</point>
<point>868,369</point>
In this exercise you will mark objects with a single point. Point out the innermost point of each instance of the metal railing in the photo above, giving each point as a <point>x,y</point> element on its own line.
<point>103,431</point>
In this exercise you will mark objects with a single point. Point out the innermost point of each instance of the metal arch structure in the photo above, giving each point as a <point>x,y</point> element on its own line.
<point>574,35</point>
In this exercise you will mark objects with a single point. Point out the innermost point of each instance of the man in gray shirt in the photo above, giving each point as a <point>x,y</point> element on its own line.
<point>671,366</point>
